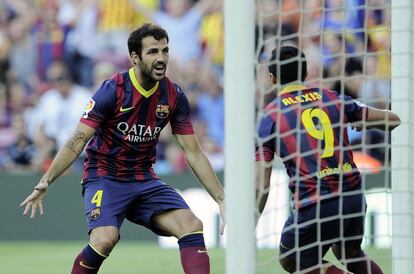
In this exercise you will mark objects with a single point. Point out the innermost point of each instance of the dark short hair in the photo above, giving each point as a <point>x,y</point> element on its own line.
<point>136,37</point>
<point>285,64</point>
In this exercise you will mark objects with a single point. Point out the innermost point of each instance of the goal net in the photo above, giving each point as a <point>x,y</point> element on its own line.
<point>363,49</point>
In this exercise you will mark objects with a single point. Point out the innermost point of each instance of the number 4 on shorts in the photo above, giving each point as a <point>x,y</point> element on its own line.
<point>97,198</point>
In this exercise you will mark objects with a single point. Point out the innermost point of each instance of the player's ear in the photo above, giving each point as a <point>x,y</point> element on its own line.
<point>273,78</point>
<point>135,57</point>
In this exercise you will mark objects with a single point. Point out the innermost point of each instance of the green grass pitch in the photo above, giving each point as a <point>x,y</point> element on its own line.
<point>129,258</point>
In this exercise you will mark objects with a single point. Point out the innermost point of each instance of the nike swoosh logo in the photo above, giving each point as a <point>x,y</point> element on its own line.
<point>201,251</point>
<point>122,109</point>
<point>85,266</point>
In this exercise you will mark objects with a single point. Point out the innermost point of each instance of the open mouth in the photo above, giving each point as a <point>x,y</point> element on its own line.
<point>159,69</point>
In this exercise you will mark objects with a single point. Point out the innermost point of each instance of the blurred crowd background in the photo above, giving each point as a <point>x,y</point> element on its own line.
<point>55,53</point>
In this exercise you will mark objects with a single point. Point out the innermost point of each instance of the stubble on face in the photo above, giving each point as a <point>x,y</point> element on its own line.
<point>154,60</point>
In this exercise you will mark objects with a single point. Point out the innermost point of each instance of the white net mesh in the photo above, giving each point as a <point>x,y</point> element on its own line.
<point>347,44</point>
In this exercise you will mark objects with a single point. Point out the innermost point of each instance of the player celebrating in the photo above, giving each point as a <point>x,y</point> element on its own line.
<point>122,123</point>
<point>306,128</point>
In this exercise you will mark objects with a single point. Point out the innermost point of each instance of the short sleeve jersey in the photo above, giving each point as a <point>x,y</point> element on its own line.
<point>306,128</point>
<point>128,121</point>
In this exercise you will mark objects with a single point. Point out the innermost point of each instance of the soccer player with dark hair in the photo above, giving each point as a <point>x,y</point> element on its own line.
<point>307,129</point>
<point>120,129</point>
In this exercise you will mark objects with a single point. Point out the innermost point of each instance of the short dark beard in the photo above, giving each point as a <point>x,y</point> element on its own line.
<point>146,74</point>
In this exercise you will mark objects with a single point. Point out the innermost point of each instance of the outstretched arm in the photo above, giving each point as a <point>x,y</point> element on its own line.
<point>64,158</point>
<point>382,119</point>
<point>201,167</point>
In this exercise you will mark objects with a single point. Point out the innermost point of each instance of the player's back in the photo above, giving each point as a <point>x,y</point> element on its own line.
<point>307,129</point>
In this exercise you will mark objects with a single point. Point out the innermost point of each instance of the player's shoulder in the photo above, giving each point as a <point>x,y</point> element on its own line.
<point>173,86</point>
<point>120,78</point>
<point>108,91</point>
<point>327,92</point>
<point>271,109</point>
<point>113,81</point>
<point>316,89</point>
<point>117,80</point>
<point>334,95</point>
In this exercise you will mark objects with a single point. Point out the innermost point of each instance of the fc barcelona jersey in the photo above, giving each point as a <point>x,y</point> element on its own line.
<point>306,128</point>
<point>128,121</point>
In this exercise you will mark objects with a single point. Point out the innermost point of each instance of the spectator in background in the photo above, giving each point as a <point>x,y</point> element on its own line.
<point>80,17</point>
<point>49,40</point>
<point>5,46</point>
<point>212,35</point>
<point>279,24</point>
<point>210,106</point>
<point>345,15</point>
<point>337,16</point>
<point>20,154</point>
<point>333,58</point>
<point>52,116</point>
<point>17,98</point>
<point>378,23</point>
<point>376,89</point>
<point>190,73</point>
<point>4,15</point>
<point>12,103</point>
<point>7,136</point>
<point>379,37</point>
<point>182,20</point>
<point>345,19</point>
<point>4,112</point>
<point>310,25</point>
<point>213,152</point>
<point>101,72</point>
<point>351,84</point>
<point>22,55</point>
<point>116,20</point>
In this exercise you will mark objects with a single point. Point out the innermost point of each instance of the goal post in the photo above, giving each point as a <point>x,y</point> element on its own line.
<point>239,135</point>
<point>402,48</point>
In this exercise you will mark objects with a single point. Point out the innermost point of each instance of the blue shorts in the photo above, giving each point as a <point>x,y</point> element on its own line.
<point>109,202</point>
<point>314,237</point>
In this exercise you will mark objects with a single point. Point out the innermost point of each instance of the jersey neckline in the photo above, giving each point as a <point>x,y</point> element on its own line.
<point>139,88</point>
<point>292,88</point>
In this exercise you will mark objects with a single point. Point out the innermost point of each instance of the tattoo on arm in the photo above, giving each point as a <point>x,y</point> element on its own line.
<point>65,157</point>
<point>77,143</point>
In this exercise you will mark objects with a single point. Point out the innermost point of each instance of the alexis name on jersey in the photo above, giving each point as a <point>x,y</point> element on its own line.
<point>309,97</point>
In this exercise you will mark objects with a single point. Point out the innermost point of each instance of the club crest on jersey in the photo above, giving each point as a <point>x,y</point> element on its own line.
<point>88,108</point>
<point>162,111</point>
<point>95,213</point>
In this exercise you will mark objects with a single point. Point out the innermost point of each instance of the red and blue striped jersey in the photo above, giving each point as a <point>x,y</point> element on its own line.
<point>128,120</point>
<point>307,129</point>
